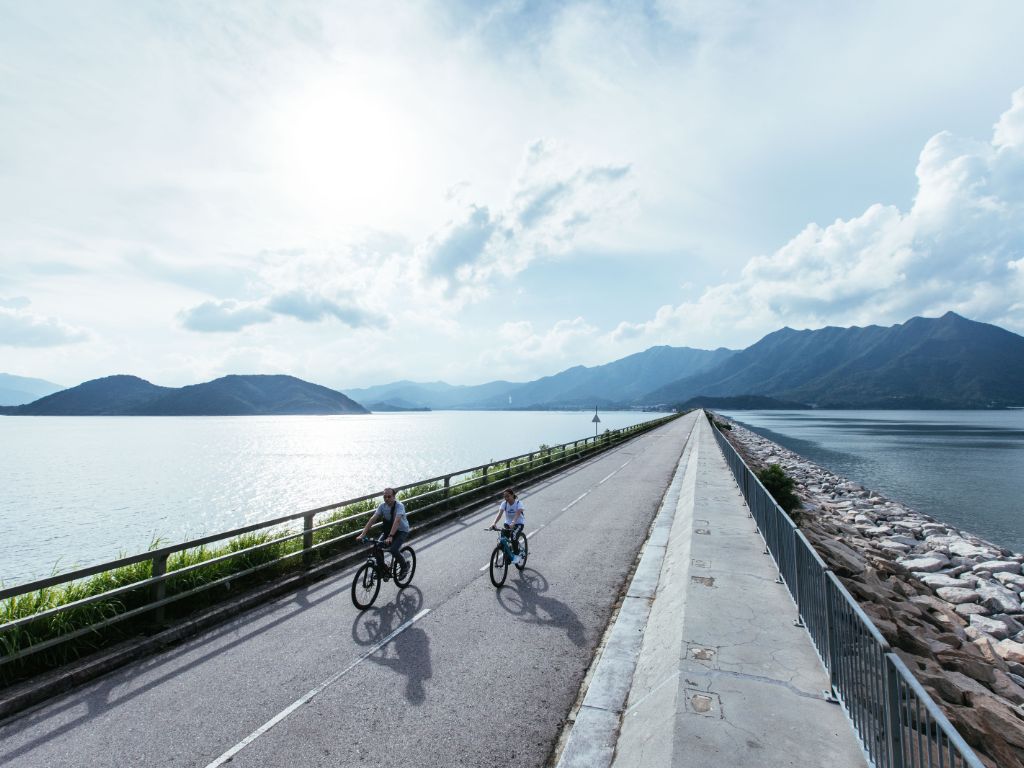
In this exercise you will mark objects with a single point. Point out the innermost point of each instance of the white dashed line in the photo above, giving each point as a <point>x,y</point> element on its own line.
<point>309,696</point>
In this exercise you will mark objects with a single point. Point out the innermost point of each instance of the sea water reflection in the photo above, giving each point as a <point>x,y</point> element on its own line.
<point>81,490</point>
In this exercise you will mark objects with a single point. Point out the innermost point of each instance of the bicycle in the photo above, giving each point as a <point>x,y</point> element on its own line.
<point>504,554</point>
<point>366,582</point>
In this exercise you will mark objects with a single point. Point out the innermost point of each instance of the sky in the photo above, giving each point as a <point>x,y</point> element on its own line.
<point>356,193</point>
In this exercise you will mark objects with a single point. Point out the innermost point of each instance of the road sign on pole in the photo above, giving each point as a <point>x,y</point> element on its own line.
<point>596,420</point>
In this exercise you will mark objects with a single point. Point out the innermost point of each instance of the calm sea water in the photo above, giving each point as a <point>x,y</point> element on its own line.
<point>961,467</point>
<point>77,491</point>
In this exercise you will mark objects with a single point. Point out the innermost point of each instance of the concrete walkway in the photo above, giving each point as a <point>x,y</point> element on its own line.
<point>704,665</point>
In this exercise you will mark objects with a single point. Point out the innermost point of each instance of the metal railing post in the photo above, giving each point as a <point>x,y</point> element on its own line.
<point>892,689</point>
<point>160,587</point>
<point>447,491</point>
<point>307,540</point>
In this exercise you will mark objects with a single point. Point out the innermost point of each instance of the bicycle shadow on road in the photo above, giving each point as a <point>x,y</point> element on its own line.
<point>524,598</point>
<point>408,652</point>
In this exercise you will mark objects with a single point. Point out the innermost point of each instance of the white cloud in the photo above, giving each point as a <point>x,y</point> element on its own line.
<point>557,204</point>
<point>957,248</point>
<point>302,305</point>
<point>522,346</point>
<point>224,316</point>
<point>19,328</point>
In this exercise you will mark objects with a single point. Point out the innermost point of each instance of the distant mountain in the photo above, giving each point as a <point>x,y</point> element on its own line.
<point>227,396</point>
<point>392,406</point>
<point>17,390</point>
<point>613,384</point>
<point>743,403</point>
<point>946,362</point>
<point>620,382</point>
<point>435,395</point>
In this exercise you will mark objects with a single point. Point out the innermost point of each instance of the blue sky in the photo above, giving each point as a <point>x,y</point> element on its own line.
<point>355,193</point>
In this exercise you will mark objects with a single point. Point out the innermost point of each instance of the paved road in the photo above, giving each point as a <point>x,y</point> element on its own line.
<point>449,672</point>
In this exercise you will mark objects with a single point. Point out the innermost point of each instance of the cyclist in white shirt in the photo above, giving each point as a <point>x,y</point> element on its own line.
<point>515,518</point>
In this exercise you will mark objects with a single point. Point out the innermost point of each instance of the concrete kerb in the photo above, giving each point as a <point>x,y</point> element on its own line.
<point>593,736</point>
<point>21,696</point>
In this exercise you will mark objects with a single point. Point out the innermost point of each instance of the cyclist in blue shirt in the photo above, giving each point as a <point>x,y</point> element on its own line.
<point>515,518</point>
<point>396,524</point>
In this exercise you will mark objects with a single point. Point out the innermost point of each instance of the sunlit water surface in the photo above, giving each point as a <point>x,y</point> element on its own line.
<point>961,467</point>
<point>81,490</point>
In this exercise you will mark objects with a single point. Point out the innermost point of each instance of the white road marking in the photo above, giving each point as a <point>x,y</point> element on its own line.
<point>309,696</point>
<point>563,509</point>
<point>574,501</point>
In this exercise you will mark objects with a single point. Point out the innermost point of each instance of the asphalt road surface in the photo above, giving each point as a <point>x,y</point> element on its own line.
<point>448,672</point>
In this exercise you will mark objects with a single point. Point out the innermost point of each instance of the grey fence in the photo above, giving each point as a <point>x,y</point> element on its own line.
<point>44,614</point>
<point>898,723</point>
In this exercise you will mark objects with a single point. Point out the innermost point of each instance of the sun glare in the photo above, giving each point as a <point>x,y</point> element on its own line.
<point>347,154</point>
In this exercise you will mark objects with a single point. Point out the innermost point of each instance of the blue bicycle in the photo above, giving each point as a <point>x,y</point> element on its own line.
<point>505,552</point>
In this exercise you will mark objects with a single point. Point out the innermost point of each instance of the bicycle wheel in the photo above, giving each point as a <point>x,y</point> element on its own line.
<point>410,557</point>
<point>365,587</point>
<point>524,549</point>
<point>499,566</point>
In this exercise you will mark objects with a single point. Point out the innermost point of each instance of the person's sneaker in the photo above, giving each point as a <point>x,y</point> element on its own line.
<point>517,560</point>
<point>403,571</point>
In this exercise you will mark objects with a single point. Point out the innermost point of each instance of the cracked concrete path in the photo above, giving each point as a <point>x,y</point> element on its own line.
<point>721,675</point>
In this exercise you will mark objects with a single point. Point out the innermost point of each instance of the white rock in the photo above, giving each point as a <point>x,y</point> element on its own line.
<point>989,626</point>
<point>936,580</point>
<point>910,541</point>
<point>1011,650</point>
<point>998,598</point>
<point>971,609</point>
<point>1009,580</point>
<point>894,546</point>
<point>998,566</point>
<point>957,595</point>
<point>966,549</point>
<point>930,563</point>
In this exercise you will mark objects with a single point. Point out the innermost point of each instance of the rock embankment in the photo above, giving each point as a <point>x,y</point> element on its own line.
<point>949,603</point>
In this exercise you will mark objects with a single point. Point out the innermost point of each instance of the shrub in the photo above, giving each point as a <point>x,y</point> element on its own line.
<point>780,486</point>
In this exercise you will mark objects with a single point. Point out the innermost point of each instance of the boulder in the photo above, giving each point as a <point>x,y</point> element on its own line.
<point>998,598</point>
<point>991,627</point>
<point>1010,580</point>
<point>999,566</point>
<point>972,609</point>
<point>929,563</point>
<point>936,580</point>
<point>1011,650</point>
<point>957,595</point>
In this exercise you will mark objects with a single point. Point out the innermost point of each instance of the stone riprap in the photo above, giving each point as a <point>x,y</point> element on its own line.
<point>949,603</point>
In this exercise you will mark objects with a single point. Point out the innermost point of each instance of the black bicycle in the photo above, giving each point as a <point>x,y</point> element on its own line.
<point>366,583</point>
<point>505,552</point>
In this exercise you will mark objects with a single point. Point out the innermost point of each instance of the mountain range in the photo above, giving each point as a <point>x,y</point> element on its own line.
<point>614,384</point>
<point>945,362</point>
<point>16,390</point>
<point>227,396</point>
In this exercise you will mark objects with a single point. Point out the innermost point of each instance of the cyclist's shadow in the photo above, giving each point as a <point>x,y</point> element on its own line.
<point>524,598</point>
<point>408,652</point>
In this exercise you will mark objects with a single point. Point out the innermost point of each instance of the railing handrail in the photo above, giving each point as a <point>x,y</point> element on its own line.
<point>881,737</point>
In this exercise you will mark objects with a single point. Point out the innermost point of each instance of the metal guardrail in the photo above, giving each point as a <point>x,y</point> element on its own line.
<point>897,722</point>
<point>445,493</point>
